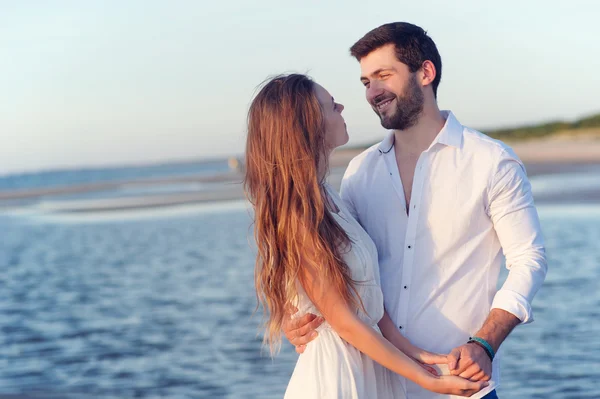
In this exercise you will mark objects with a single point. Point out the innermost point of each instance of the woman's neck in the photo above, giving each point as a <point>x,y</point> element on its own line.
<point>324,167</point>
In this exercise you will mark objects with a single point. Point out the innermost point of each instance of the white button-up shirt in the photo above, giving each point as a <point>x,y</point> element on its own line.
<point>439,264</point>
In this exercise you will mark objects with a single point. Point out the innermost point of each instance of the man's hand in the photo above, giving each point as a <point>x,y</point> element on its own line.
<point>302,330</point>
<point>470,361</point>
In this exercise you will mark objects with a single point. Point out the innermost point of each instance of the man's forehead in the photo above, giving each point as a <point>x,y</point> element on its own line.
<point>381,58</point>
<point>383,52</point>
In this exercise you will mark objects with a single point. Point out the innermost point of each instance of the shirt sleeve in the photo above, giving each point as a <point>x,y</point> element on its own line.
<point>517,225</point>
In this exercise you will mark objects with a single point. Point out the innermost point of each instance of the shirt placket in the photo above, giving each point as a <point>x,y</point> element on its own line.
<point>409,242</point>
<point>390,161</point>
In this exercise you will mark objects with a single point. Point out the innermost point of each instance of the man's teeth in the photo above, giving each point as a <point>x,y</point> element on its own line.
<point>383,104</point>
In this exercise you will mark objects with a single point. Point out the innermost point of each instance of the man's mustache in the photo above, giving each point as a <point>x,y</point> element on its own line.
<point>382,97</point>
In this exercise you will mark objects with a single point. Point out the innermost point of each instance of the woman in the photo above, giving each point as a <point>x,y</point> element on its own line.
<point>314,256</point>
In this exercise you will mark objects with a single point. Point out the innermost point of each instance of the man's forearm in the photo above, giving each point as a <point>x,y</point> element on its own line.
<point>497,326</point>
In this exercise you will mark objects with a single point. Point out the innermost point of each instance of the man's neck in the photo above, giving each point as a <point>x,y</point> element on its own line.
<point>419,137</point>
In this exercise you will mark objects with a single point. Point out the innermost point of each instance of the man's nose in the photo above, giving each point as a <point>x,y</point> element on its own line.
<point>373,91</point>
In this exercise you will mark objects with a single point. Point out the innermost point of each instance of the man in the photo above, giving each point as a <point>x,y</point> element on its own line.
<point>442,202</point>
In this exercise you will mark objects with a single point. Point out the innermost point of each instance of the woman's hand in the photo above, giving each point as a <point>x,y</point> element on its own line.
<point>426,357</point>
<point>432,362</point>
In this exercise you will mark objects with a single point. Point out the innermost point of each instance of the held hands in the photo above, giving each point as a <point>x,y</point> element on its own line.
<point>301,331</point>
<point>430,361</point>
<point>425,357</point>
<point>453,385</point>
<point>441,382</point>
<point>470,361</point>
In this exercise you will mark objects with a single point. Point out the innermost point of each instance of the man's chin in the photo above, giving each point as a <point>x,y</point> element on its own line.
<point>386,122</point>
<point>382,118</point>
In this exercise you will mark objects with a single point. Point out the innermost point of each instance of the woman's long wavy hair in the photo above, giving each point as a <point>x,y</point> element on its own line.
<point>293,226</point>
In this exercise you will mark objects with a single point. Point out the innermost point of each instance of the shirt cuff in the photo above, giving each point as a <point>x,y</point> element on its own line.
<point>513,303</point>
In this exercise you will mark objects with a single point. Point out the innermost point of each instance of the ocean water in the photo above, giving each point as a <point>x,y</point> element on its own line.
<point>160,303</point>
<point>45,179</point>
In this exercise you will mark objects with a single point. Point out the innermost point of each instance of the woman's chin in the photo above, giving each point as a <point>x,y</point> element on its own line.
<point>347,139</point>
<point>341,145</point>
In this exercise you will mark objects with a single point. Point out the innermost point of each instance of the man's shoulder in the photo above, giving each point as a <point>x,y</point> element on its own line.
<point>485,145</point>
<point>362,160</point>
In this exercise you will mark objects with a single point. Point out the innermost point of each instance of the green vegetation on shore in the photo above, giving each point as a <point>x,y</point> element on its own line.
<point>581,126</point>
<point>545,129</point>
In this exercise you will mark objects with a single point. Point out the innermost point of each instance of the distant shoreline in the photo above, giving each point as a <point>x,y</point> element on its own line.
<point>550,155</point>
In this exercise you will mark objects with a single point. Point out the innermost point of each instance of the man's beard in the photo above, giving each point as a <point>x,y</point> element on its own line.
<point>409,107</point>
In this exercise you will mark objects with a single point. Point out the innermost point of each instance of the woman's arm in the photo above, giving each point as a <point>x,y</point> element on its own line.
<point>346,323</point>
<point>391,333</point>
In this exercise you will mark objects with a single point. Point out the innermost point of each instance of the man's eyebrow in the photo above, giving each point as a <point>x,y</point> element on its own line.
<point>377,72</point>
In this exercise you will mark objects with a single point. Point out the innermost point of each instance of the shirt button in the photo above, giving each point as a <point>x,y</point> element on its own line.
<point>405,287</point>
<point>409,247</point>
<point>400,327</point>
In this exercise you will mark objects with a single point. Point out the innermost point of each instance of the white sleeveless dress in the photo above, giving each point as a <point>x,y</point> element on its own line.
<point>330,367</point>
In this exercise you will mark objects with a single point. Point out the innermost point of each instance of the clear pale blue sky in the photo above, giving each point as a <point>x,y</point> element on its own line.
<point>87,83</point>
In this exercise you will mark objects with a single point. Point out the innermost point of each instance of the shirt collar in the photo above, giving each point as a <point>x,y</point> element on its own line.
<point>452,132</point>
<point>450,135</point>
<point>387,144</point>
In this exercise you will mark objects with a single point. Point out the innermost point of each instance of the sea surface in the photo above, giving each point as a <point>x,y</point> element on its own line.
<point>63,178</point>
<point>159,303</point>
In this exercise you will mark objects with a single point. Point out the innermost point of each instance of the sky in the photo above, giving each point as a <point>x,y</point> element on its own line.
<point>111,82</point>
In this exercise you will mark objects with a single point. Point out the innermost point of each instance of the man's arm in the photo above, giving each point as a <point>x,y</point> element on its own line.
<point>470,360</point>
<point>497,326</point>
<point>516,223</point>
<point>302,330</point>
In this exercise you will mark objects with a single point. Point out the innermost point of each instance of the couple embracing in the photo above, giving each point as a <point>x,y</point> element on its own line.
<point>388,289</point>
